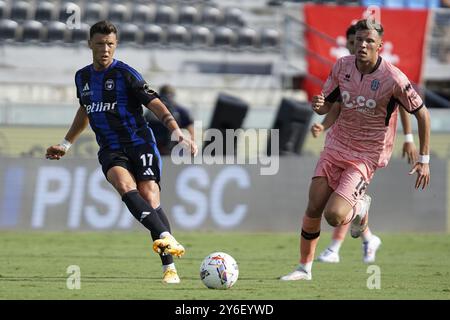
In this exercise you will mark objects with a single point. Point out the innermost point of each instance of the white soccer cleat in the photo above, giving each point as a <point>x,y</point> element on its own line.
<point>297,274</point>
<point>361,220</point>
<point>370,249</point>
<point>328,256</point>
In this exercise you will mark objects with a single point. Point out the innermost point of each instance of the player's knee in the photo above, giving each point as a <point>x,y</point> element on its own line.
<point>334,218</point>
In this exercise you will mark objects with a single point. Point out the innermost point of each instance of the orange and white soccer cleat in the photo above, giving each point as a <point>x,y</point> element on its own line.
<point>168,245</point>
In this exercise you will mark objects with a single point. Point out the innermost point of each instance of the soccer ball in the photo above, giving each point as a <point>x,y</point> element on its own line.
<point>219,271</point>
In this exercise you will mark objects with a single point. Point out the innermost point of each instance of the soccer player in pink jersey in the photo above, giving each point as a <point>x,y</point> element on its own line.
<point>370,242</point>
<point>361,140</point>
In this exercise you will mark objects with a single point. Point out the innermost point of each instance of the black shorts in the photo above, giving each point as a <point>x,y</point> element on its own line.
<point>143,161</point>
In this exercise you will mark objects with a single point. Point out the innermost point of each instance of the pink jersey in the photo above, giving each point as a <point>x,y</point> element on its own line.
<point>367,124</point>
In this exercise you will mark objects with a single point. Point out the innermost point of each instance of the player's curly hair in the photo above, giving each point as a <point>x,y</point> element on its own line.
<point>367,24</point>
<point>102,27</point>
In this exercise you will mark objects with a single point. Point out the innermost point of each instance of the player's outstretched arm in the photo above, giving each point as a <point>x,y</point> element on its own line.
<point>79,123</point>
<point>164,115</point>
<point>422,166</point>
<point>409,148</point>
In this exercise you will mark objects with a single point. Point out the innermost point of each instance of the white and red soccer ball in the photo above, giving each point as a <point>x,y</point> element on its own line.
<point>219,270</point>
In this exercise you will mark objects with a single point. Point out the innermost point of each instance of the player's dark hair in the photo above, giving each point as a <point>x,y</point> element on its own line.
<point>350,31</point>
<point>367,24</point>
<point>102,27</point>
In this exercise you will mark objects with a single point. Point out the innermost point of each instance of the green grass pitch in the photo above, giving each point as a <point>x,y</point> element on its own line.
<point>121,265</point>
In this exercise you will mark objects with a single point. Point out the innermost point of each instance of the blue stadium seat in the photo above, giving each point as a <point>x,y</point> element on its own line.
<point>20,11</point>
<point>224,36</point>
<point>45,11</point>
<point>141,14</point>
<point>8,30</point>
<point>93,12</point>
<point>165,15</point>
<point>55,32</point>
<point>201,36</point>
<point>211,16</point>
<point>188,15</point>
<point>417,4</point>
<point>177,35</point>
<point>153,35</point>
<point>394,3</point>
<point>367,3</point>
<point>128,33</point>
<point>79,35</point>
<point>118,13</point>
<point>434,3</point>
<point>32,31</point>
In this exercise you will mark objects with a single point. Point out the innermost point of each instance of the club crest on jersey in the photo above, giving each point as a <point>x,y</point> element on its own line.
<point>109,84</point>
<point>375,84</point>
<point>147,89</point>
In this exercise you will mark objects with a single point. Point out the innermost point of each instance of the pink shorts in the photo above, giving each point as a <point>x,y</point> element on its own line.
<point>346,175</point>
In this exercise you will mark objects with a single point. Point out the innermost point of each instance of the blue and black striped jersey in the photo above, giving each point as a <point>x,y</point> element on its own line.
<point>113,100</point>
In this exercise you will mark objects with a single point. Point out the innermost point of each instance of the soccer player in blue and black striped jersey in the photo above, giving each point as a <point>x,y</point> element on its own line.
<point>111,95</point>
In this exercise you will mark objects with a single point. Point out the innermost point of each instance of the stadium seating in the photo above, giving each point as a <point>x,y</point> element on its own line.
<point>177,36</point>
<point>211,16</point>
<point>224,36</point>
<point>141,14</point>
<point>175,23</point>
<point>153,35</point>
<point>31,32</point>
<point>55,32</point>
<point>269,38</point>
<point>94,12</point>
<point>414,4</point>
<point>20,11</point>
<point>394,3</point>
<point>165,15</point>
<point>421,4</point>
<point>3,10</point>
<point>79,35</point>
<point>128,34</point>
<point>233,17</point>
<point>188,15</point>
<point>201,37</point>
<point>246,37</point>
<point>118,13</point>
<point>45,11</point>
<point>8,30</point>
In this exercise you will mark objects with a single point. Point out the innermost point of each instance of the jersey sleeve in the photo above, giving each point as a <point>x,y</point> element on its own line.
<point>78,86</point>
<point>406,94</point>
<point>139,87</point>
<point>331,89</point>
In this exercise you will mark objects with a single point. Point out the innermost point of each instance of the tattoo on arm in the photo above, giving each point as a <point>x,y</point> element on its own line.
<point>167,118</point>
